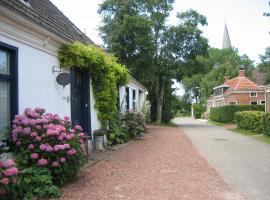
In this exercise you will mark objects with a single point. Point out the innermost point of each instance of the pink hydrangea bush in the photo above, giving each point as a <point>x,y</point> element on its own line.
<point>8,176</point>
<point>45,140</point>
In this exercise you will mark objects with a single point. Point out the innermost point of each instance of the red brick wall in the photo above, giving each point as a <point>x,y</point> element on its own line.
<point>244,98</point>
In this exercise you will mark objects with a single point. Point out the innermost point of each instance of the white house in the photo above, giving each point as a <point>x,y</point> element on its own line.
<point>31,32</point>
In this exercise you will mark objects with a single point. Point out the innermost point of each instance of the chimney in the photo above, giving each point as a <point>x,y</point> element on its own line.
<point>242,73</point>
<point>226,78</point>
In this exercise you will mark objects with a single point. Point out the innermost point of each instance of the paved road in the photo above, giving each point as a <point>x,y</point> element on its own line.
<point>164,165</point>
<point>243,162</point>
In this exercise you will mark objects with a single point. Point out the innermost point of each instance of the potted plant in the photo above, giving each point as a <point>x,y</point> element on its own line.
<point>99,139</point>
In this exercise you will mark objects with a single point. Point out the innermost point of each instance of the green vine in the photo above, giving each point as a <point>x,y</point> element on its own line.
<point>106,75</point>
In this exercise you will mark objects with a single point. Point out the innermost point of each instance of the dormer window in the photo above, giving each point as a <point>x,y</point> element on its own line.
<point>220,90</point>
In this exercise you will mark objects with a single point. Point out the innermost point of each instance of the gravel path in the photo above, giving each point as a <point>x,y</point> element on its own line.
<point>164,165</point>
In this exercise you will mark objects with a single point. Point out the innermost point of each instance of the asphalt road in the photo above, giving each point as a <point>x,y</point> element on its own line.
<point>243,162</point>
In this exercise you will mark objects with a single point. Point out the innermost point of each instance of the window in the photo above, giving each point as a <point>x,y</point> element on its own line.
<point>262,102</point>
<point>8,86</point>
<point>127,98</point>
<point>134,99</point>
<point>253,94</point>
<point>253,102</point>
<point>232,102</point>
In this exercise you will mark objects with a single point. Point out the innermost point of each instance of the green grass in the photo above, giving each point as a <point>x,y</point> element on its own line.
<point>216,123</point>
<point>243,132</point>
<point>261,137</point>
<point>179,114</point>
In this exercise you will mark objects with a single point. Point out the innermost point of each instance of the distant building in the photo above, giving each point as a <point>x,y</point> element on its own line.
<point>239,90</point>
<point>226,43</point>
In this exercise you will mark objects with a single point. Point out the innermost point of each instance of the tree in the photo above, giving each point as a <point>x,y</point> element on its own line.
<point>137,33</point>
<point>218,63</point>
<point>264,66</point>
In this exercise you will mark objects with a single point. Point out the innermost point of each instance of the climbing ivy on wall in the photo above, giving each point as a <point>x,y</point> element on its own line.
<point>106,74</point>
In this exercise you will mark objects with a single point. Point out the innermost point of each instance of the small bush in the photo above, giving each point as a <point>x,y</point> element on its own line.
<point>8,179</point>
<point>267,124</point>
<point>47,141</point>
<point>225,114</point>
<point>117,134</point>
<point>135,124</point>
<point>146,109</point>
<point>198,110</point>
<point>250,120</point>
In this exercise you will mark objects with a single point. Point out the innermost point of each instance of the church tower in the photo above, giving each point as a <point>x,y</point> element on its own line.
<point>226,39</point>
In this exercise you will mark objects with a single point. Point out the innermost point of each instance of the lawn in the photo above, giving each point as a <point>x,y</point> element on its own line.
<point>261,137</point>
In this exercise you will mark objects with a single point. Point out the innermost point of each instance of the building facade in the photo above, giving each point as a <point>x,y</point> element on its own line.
<point>31,33</point>
<point>237,91</point>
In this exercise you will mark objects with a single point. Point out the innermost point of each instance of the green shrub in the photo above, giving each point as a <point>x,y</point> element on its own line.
<point>117,133</point>
<point>198,110</point>
<point>225,114</point>
<point>146,109</point>
<point>47,141</point>
<point>135,124</point>
<point>267,123</point>
<point>250,120</point>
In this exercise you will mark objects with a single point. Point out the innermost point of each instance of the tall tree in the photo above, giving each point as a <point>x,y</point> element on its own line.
<point>136,31</point>
<point>218,63</point>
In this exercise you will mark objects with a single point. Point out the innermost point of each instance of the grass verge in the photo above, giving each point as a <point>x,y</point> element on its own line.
<point>261,137</point>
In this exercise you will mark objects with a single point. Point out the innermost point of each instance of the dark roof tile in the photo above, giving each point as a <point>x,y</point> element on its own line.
<point>45,14</point>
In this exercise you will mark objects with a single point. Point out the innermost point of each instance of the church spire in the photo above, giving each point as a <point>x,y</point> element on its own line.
<point>226,39</point>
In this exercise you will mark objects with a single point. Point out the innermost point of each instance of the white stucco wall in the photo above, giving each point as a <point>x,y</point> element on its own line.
<point>139,99</point>
<point>37,86</point>
<point>95,123</point>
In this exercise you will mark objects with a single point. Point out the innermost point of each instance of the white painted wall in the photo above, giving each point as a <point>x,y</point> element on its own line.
<point>37,84</point>
<point>139,99</point>
<point>95,123</point>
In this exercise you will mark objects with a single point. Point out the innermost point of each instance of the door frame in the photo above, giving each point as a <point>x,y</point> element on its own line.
<point>86,95</point>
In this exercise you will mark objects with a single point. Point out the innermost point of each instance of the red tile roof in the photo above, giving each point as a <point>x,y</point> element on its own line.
<point>241,83</point>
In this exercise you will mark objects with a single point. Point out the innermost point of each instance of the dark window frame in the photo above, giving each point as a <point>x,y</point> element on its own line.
<point>12,78</point>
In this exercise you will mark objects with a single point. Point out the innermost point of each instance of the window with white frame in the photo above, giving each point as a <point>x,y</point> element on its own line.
<point>232,102</point>
<point>253,94</point>
<point>253,103</point>
<point>134,107</point>
<point>8,87</point>
<point>262,102</point>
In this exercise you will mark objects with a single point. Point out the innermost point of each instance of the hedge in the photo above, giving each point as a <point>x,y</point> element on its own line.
<point>225,114</point>
<point>250,120</point>
<point>198,110</point>
<point>267,123</point>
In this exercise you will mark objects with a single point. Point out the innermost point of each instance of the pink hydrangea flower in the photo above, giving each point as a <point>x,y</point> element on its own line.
<point>9,163</point>
<point>78,127</point>
<point>11,171</point>
<point>18,143</point>
<point>81,141</point>
<point>5,181</point>
<point>31,146</point>
<point>14,180</point>
<point>27,130</point>
<point>66,118</point>
<point>33,134</point>
<point>81,134</point>
<point>38,139</point>
<point>60,138</point>
<point>71,152</point>
<point>62,159</point>
<point>39,110</point>
<point>67,146</point>
<point>55,164</point>
<point>49,148</point>
<point>34,156</point>
<point>42,162</point>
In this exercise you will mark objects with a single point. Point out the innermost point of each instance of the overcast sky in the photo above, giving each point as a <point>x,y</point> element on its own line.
<point>248,28</point>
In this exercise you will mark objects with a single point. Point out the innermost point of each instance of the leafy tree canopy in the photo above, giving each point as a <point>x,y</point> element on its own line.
<point>136,31</point>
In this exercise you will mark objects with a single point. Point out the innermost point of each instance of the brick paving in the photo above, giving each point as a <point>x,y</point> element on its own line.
<point>163,165</point>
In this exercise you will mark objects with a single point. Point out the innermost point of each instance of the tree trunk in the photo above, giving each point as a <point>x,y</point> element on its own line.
<point>160,97</point>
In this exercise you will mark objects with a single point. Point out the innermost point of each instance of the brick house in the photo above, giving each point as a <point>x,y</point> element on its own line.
<point>239,90</point>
